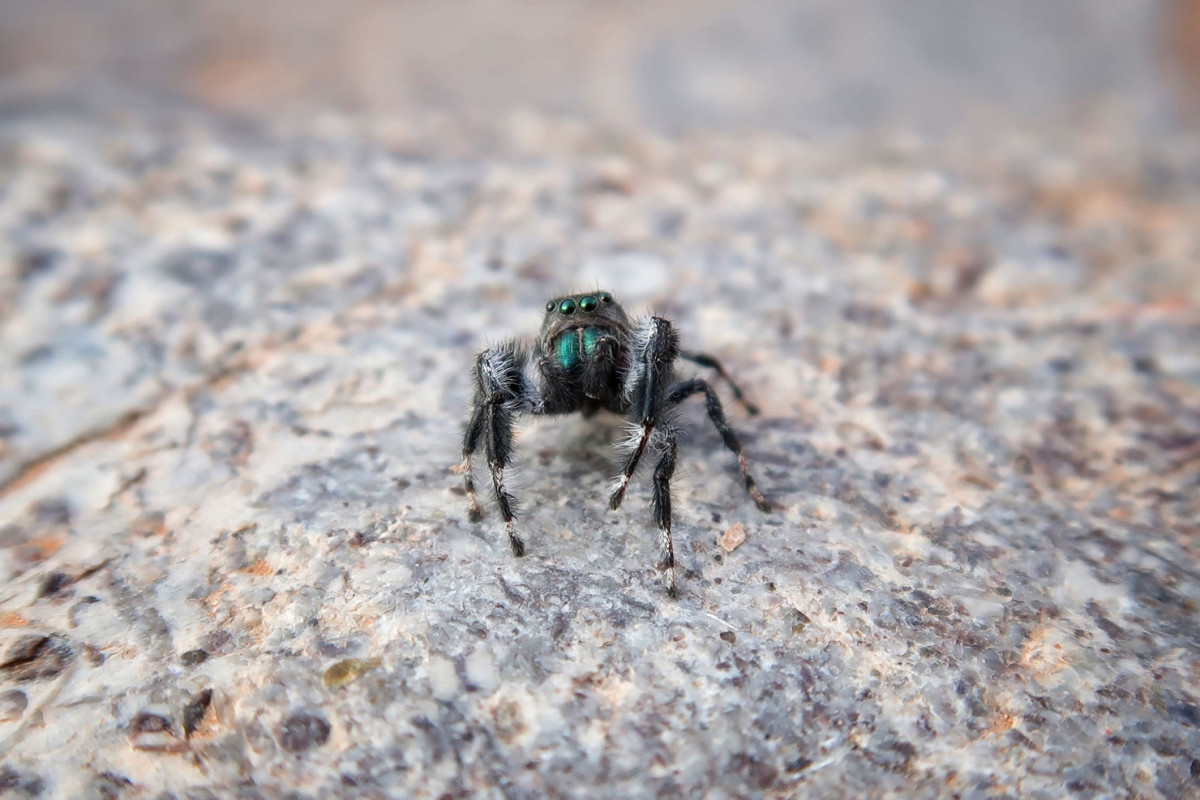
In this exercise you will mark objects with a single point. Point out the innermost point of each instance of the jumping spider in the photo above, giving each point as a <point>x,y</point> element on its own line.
<point>591,356</point>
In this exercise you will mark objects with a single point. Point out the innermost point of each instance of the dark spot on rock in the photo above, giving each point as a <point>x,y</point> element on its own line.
<point>37,261</point>
<point>869,316</point>
<point>93,655</point>
<point>213,642</point>
<point>798,765</point>
<point>303,730</point>
<point>54,583</point>
<point>1146,365</point>
<point>849,571</point>
<point>194,711</point>
<point>191,658</point>
<point>1186,713</point>
<point>922,597</point>
<point>760,774</point>
<point>1021,739</point>
<point>1151,590</point>
<point>198,267</point>
<point>1061,365</point>
<point>729,636</point>
<point>1110,628</point>
<point>894,756</point>
<point>37,355</point>
<point>110,785</point>
<point>12,704</point>
<point>1167,745</point>
<point>12,780</point>
<point>52,511</point>
<point>149,722</point>
<point>8,425</point>
<point>36,656</point>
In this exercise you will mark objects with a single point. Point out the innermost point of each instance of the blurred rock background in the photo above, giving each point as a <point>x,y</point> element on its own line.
<point>800,66</point>
<point>247,251</point>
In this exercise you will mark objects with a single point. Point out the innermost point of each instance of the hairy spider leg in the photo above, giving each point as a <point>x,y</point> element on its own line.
<point>685,389</point>
<point>705,360</point>
<point>656,346</point>
<point>662,510</point>
<point>501,390</point>
<point>470,443</point>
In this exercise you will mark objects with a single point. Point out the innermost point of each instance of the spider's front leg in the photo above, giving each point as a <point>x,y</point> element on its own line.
<point>501,392</point>
<point>655,348</point>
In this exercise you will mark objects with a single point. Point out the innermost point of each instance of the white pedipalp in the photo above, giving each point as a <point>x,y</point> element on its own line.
<point>640,338</point>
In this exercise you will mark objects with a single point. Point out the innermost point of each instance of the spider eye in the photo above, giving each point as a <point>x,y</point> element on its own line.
<point>550,305</point>
<point>605,297</point>
<point>566,306</point>
<point>588,303</point>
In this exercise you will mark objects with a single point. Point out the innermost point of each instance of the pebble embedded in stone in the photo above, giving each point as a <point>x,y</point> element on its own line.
<point>303,730</point>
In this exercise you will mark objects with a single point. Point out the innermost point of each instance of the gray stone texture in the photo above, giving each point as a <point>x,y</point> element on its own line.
<point>235,559</point>
<point>235,356</point>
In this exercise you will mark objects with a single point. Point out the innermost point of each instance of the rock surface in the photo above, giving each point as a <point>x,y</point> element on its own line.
<point>236,561</point>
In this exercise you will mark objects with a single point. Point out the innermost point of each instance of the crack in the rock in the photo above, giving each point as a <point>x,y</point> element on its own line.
<point>31,468</point>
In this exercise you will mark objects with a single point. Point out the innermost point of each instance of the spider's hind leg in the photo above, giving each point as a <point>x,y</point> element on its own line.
<point>705,360</point>
<point>685,389</point>
<point>470,443</point>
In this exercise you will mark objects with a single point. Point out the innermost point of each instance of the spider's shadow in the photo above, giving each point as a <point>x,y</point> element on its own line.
<point>586,450</point>
<point>581,446</point>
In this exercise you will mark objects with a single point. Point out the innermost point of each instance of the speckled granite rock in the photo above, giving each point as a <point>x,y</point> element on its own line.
<point>233,374</point>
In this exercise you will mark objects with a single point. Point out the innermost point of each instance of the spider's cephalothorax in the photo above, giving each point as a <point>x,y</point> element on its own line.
<point>591,356</point>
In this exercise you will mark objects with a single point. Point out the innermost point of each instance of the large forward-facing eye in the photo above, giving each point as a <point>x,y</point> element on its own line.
<point>566,306</point>
<point>588,303</point>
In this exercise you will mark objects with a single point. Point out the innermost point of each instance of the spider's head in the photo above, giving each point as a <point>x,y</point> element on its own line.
<point>594,309</point>
<point>576,324</point>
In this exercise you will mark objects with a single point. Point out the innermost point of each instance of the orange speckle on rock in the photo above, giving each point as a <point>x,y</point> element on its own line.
<point>260,568</point>
<point>733,537</point>
<point>49,545</point>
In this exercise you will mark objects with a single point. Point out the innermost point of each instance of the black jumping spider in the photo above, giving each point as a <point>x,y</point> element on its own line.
<point>591,356</point>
